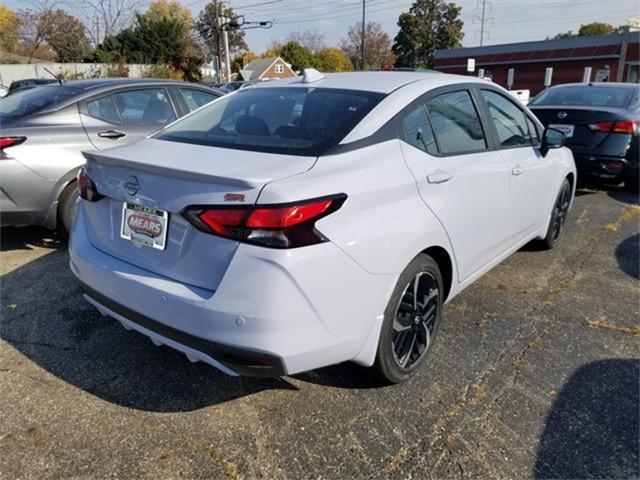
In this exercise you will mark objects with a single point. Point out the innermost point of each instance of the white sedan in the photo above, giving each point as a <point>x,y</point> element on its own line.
<point>316,220</point>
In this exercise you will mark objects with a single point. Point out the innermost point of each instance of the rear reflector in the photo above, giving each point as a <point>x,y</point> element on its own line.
<point>629,127</point>
<point>276,226</point>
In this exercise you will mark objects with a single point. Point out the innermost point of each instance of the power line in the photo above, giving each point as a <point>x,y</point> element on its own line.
<point>482,18</point>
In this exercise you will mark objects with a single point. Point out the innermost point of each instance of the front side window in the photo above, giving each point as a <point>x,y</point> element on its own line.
<point>456,123</point>
<point>196,98</point>
<point>289,120</point>
<point>104,109</point>
<point>144,106</point>
<point>510,121</point>
<point>417,131</point>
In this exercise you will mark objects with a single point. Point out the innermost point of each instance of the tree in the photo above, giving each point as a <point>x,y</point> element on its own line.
<point>312,40</point>
<point>429,25</point>
<point>65,34</point>
<point>297,55</point>
<point>212,36</point>
<point>590,29</point>
<point>158,41</point>
<point>332,60</point>
<point>9,25</point>
<point>169,10</point>
<point>377,51</point>
<point>107,17</point>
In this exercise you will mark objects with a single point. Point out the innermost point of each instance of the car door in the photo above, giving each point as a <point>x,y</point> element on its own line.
<point>126,115</point>
<point>517,140</point>
<point>460,177</point>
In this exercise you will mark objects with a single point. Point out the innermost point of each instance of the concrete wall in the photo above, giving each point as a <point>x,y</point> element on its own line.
<point>9,73</point>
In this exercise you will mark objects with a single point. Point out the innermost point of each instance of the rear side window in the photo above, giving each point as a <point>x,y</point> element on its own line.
<point>510,121</point>
<point>288,120</point>
<point>196,98</point>
<point>104,109</point>
<point>144,106</point>
<point>417,131</point>
<point>456,123</point>
<point>26,102</point>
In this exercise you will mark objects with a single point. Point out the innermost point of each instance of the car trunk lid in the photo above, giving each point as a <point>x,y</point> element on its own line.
<point>171,177</point>
<point>580,118</point>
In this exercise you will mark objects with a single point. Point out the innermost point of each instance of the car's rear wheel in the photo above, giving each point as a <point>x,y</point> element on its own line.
<point>558,216</point>
<point>632,183</point>
<point>66,206</point>
<point>411,321</point>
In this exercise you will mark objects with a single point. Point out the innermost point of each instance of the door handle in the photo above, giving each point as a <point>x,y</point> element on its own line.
<point>439,177</point>
<point>517,170</point>
<point>112,134</point>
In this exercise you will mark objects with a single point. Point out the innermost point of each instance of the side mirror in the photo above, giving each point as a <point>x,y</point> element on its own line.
<point>551,138</point>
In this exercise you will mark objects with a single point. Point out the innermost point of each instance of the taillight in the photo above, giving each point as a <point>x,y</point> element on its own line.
<point>275,226</point>
<point>630,127</point>
<point>87,187</point>
<point>6,142</point>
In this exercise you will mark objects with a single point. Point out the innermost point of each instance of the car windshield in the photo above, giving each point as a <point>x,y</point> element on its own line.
<point>32,100</point>
<point>588,96</point>
<point>293,120</point>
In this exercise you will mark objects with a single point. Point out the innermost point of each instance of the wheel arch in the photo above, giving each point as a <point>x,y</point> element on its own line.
<point>441,256</point>
<point>51,219</point>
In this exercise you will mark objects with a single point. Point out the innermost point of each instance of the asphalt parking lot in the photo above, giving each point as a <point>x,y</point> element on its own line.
<point>535,374</point>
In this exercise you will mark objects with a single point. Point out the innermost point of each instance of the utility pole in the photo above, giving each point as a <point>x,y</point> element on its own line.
<point>364,6</point>
<point>483,19</point>
<point>227,62</point>
<point>218,51</point>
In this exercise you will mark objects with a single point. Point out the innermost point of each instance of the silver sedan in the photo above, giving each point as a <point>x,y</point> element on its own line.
<point>43,131</point>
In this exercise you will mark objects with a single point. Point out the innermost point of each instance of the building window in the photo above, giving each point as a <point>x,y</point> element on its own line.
<point>279,68</point>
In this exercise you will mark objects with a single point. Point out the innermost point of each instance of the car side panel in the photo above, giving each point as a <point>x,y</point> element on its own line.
<point>384,223</point>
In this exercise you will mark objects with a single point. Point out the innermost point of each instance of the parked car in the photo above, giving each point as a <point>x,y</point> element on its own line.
<point>44,130</point>
<point>27,83</point>
<point>316,220</point>
<point>601,122</point>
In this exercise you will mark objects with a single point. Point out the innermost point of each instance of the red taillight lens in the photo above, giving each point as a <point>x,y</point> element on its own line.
<point>629,127</point>
<point>225,222</point>
<point>87,188</point>
<point>275,226</point>
<point>6,142</point>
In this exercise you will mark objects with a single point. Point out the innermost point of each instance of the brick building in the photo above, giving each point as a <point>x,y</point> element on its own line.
<point>611,58</point>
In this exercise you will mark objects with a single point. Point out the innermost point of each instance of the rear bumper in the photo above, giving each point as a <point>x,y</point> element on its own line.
<point>275,312</point>
<point>605,167</point>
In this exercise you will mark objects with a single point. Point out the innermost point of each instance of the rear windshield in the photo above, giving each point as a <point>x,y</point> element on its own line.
<point>32,100</point>
<point>600,96</point>
<point>293,120</point>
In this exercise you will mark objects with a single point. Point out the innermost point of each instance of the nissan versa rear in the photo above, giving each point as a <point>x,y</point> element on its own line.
<point>321,219</point>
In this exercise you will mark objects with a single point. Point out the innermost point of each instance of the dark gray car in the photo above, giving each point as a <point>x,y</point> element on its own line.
<point>43,131</point>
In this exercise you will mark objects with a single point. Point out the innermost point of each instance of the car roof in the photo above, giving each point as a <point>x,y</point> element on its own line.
<point>378,81</point>
<point>597,84</point>
<point>92,83</point>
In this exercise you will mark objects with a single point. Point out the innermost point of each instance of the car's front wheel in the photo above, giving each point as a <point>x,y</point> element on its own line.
<point>558,216</point>
<point>411,321</point>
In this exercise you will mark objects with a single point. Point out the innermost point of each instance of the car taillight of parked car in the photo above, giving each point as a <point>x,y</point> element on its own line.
<point>630,127</point>
<point>87,187</point>
<point>288,225</point>
<point>6,142</point>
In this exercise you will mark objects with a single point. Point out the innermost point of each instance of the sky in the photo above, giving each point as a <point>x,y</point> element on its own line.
<point>506,20</point>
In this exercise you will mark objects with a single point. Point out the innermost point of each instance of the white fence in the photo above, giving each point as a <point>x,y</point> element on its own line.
<point>9,73</point>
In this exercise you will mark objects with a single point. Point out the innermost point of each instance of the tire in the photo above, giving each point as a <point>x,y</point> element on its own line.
<point>66,207</point>
<point>410,326</point>
<point>632,183</point>
<point>558,216</point>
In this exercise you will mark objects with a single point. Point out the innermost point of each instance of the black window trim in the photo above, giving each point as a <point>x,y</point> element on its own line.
<point>492,127</point>
<point>110,93</point>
